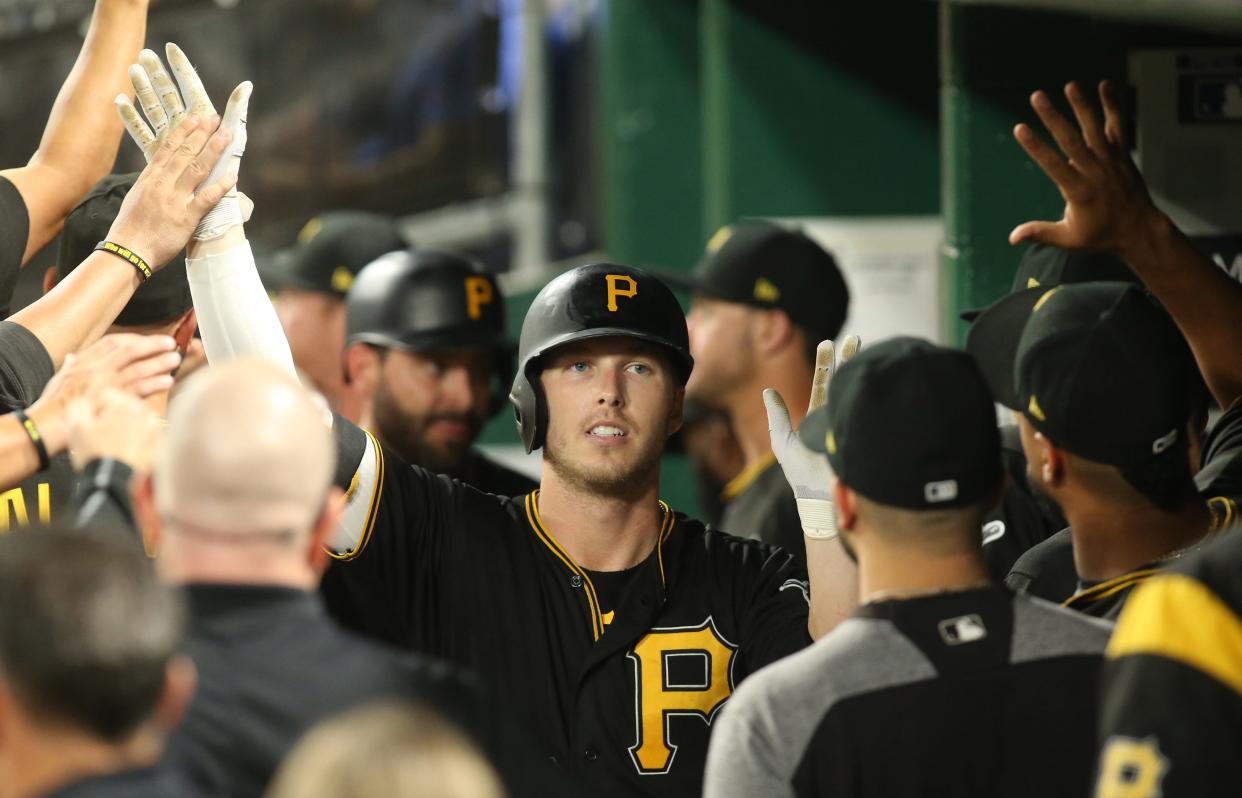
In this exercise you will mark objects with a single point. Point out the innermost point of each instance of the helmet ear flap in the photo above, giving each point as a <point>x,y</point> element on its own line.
<point>528,411</point>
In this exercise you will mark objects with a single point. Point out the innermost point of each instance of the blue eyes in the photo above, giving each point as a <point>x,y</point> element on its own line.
<point>638,368</point>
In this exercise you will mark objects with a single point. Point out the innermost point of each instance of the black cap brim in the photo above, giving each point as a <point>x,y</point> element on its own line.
<point>993,342</point>
<point>971,315</point>
<point>681,281</point>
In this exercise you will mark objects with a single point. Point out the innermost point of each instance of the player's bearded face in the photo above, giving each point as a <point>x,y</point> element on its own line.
<point>612,403</point>
<point>430,406</point>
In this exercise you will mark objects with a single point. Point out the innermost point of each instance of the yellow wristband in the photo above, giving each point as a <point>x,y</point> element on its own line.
<point>144,270</point>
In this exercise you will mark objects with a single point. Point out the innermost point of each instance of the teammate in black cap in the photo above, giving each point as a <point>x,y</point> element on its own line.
<point>1026,517</point>
<point>1096,374</point>
<point>616,626</point>
<point>312,279</point>
<point>427,362</point>
<point>941,683</point>
<point>764,297</point>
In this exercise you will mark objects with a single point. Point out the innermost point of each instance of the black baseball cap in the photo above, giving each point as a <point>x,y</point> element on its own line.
<point>768,266</point>
<point>909,424</point>
<point>1098,368</point>
<point>330,251</point>
<point>1045,266</point>
<point>162,298</point>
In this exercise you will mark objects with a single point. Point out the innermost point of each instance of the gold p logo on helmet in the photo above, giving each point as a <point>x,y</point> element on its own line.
<point>479,292</point>
<point>615,281</point>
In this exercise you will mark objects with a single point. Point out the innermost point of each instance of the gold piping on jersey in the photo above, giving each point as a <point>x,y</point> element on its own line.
<point>666,529</point>
<point>744,478</point>
<point>598,621</point>
<point>372,511</point>
<point>1154,623</point>
<point>1224,512</point>
<point>536,523</point>
<point>1110,586</point>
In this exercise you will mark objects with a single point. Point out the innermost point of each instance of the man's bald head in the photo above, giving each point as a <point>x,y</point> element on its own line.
<point>248,450</point>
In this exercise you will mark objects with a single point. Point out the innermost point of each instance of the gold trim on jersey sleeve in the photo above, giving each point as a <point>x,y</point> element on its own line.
<point>1179,618</point>
<point>666,529</point>
<point>368,526</point>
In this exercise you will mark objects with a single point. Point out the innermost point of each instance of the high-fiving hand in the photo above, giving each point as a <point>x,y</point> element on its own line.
<point>808,473</point>
<point>166,104</point>
<point>1107,205</point>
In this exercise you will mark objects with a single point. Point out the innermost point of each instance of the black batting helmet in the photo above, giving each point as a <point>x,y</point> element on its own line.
<point>593,301</point>
<point>420,300</point>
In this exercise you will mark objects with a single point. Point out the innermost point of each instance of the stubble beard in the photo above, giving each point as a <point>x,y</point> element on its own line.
<point>610,480</point>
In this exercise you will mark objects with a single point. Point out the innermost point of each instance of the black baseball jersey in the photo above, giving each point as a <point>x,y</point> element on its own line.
<point>480,472</point>
<point>25,369</point>
<point>978,693</point>
<point>621,689</point>
<point>14,230</point>
<point>146,782</point>
<point>760,505</point>
<point>1172,699</point>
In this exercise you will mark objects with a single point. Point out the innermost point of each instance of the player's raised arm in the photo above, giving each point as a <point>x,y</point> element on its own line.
<point>156,219</point>
<point>1108,207</point>
<point>80,141</point>
<point>833,576</point>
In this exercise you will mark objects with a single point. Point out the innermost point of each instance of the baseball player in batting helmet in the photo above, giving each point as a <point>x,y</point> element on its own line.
<point>426,359</point>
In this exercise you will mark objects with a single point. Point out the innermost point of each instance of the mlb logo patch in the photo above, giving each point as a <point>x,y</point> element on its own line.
<point>963,629</point>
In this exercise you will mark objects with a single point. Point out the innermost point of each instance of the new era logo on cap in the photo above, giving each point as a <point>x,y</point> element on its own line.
<point>943,491</point>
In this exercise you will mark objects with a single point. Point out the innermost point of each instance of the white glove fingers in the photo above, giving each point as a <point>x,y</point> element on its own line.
<point>137,129</point>
<point>825,357</point>
<point>191,84</point>
<point>850,347</point>
<point>779,427</point>
<point>169,97</point>
<point>147,99</point>
<point>235,121</point>
<point>247,204</point>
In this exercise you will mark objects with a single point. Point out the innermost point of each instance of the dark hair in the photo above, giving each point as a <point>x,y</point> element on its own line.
<point>86,629</point>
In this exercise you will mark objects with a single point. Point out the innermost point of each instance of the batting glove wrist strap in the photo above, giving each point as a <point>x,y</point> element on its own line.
<point>818,520</point>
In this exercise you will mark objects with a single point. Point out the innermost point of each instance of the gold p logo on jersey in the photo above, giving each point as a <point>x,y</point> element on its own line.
<point>478,293</point>
<point>677,671</point>
<point>614,290</point>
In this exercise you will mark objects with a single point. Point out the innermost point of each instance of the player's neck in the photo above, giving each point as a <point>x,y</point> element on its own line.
<point>749,419</point>
<point>897,572</point>
<point>45,760</point>
<point>1112,540</point>
<point>601,533</point>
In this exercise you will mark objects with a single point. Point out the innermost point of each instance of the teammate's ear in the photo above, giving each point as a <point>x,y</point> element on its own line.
<point>184,331</point>
<point>844,504</point>
<point>1051,461</point>
<point>180,679</point>
<point>49,278</point>
<point>773,330</point>
<point>361,363</point>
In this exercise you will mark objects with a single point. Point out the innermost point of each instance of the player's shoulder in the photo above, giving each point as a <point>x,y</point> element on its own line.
<point>861,655</point>
<point>1217,566</point>
<point>698,540</point>
<point>1043,630</point>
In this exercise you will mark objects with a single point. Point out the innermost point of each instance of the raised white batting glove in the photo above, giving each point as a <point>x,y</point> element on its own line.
<point>166,104</point>
<point>807,472</point>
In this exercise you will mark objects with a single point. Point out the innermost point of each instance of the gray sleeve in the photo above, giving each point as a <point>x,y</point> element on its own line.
<point>742,759</point>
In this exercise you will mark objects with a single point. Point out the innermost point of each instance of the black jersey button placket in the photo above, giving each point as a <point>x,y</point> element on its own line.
<point>575,581</point>
<point>590,754</point>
